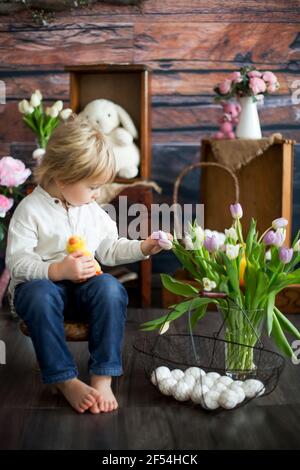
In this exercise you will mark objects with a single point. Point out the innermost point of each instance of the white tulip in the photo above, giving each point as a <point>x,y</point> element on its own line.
<point>188,242</point>
<point>232,251</point>
<point>231,233</point>
<point>39,94</point>
<point>25,107</point>
<point>52,112</point>
<point>65,114</point>
<point>164,328</point>
<point>58,105</point>
<point>35,100</point>
<point>268,255</point>
<point>199,232</point>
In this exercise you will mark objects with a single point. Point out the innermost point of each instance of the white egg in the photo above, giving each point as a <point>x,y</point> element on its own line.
<point>218,387</point>
<point>166,385</point>
<point>204,380</point>
<point>195,372</point>
<point>190,380</point>
<point>228,399</point>
<point>198,392</point>
<point>160,373</point>
<point>210,400</point>
<point>238,390</point>
<point>253,388</point>
<point>225,380</point>
<point>177,374</point>
<point>181,391</point>
<point>213,375</point>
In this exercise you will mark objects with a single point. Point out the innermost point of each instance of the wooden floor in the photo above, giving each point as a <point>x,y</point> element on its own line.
<point>32,418</point>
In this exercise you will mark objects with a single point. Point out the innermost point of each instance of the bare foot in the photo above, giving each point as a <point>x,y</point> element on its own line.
<point>107,401</point>
<point>80,396</point>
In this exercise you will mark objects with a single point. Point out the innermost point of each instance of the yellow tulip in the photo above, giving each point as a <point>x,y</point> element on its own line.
<point>242,270</point>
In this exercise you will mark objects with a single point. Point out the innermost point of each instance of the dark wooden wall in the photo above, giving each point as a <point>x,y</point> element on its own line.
<point>190,46</point>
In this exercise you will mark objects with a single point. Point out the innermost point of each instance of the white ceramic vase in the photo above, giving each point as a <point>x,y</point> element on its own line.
<point>248,126</point>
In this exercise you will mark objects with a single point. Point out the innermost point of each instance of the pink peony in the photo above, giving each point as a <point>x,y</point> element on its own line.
<point>224,87</point>
<point>12,172</point>
<point>270,78</point>
<point>5,204</point>
<point>236,77</point>
<point>254,73</point>
<point>257,85</point>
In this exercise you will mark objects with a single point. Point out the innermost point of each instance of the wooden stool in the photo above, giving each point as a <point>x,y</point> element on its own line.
<point>74,330</point>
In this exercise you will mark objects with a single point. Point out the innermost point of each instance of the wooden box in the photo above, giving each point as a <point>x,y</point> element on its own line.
<point>266,189</point>
<point>127,85</point>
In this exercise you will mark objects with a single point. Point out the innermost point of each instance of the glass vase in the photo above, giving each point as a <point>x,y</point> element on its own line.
<point>248,126</point>
<point>242,332</point>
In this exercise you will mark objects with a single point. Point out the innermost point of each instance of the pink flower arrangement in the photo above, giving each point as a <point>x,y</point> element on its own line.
<point>247,82</point>
<point>13,174</point>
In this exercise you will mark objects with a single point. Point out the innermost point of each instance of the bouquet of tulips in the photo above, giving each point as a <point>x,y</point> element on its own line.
<point>42,122</point>
<point>239,275</point>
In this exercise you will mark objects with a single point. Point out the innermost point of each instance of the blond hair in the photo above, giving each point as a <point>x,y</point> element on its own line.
<point>76,150</point>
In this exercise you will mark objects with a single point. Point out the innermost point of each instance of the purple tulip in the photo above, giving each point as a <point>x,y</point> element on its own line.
<point>163,240</point>
<point>211,243</point>
<point>270,237</point>
<point>279,223</point>
<point>285,255</point>
<point>236,211</point>
<point>279,237</point>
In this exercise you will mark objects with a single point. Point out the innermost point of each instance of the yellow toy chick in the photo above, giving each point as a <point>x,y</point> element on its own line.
<point>76,243</point>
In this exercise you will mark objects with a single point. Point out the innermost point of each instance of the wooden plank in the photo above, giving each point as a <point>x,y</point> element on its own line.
<point>214,41</point>
<point>83,44</point>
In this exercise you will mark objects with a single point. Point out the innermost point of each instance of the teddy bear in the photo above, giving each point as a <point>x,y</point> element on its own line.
<point>230,117</point>
<point>116,124</point>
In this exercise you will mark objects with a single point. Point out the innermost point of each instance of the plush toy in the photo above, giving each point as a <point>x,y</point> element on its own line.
<point>116,124</point>
<point>230,117</point>
<point>76,243</point>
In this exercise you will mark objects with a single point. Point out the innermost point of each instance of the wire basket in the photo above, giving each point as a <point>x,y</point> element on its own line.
<point>203,358</point>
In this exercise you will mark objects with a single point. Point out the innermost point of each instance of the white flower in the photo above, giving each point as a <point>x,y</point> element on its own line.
<point>58,105</point>
<point>25,107</point>
<point>297,246</point>
<point>65,113</point>
<point>199,232</point>
<point>231,233</point>
<point>208,285</point>
<point>164,328</point>
<point>52,112</point>
<point>268,255</point>
<point>232,251</point>
<point>188,243</point>
<point>35,100</point>
<point>39,94</point>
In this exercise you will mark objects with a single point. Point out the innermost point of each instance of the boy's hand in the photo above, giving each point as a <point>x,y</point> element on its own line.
<point>157,242</point>
<point>74,267</point>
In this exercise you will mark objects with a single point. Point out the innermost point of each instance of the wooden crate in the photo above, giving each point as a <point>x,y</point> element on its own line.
<point>266,189</point>
<point>127,85</point>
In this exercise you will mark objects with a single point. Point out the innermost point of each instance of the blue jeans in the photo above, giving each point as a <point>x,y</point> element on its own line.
<point>101,300</point>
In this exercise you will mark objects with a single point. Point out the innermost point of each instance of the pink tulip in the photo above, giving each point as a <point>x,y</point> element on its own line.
<point>5,204</point>
<point>254,73</point>
<point>271,88</point>
<point>224,87</point>
<point>12,172</point>
<point>257,85</point>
